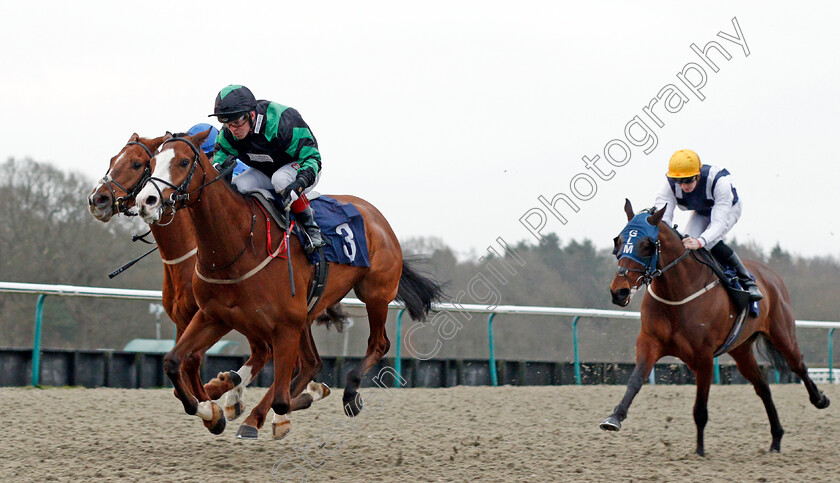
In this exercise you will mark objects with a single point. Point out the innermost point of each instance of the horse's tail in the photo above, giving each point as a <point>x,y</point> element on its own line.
<point>417,291</point>
<point>769,352</point>
<point>333,316</point>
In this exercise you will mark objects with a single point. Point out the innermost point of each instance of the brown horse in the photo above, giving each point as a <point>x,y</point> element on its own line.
<point>687,316</point>
<point>238,287</point>
<point>115,193</point>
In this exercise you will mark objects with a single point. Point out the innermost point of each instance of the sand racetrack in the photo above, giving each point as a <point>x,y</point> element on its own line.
<point>454,434</point>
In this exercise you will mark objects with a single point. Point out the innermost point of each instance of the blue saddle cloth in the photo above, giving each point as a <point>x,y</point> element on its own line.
<point>343,229</point>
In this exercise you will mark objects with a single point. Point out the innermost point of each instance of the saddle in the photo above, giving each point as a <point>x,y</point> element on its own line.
<point>318,283</point>
<point>739,296</point>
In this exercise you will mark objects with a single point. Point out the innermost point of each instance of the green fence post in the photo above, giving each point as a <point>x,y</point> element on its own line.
<point>494,377</point>
<point>575,344</point>
<point>831,356</point>
<point>398,355</point>
<point>717,371</point>
<point>36,345</point>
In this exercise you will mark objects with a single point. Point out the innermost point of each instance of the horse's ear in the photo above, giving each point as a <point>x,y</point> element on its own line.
<point>133,139</point>
<point>199,138</point>
<point>628,208</point>
<point>655,218</point>
<point>155,143</point>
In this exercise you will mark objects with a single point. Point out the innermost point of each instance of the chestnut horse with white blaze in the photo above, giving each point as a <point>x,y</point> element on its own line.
<point>239,286</point>
<point>115,193</point>
<point>687,315</point>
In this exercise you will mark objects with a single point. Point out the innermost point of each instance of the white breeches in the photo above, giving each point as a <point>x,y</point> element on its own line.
<point>697,225</point>
<point>254,179</point>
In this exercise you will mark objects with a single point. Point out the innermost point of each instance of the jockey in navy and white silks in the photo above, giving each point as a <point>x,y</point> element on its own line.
<point>708,192</point>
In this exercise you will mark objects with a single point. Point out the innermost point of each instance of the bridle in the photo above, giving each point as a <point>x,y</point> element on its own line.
<point>120,204</point>
<point>184,197</point>
<point>181,194</point>
<point>650,263</point>
<point>650,270</point>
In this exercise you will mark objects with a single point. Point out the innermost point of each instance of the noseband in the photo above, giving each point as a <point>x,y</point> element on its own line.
<point>650,270</point>
<point>181,194</point>
<point>120,204</point>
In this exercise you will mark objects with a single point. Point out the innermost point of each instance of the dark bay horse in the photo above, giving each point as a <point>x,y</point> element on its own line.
<point>685,315</point>
<point>115,193</point>
<point>239,286</point>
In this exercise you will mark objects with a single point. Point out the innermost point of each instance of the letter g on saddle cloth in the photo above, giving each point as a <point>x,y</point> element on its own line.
<point>639,230</point>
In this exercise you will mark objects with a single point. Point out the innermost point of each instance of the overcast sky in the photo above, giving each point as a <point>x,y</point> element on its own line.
<point>455,117</point>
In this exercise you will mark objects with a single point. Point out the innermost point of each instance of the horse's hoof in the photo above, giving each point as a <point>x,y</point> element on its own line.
<point>233,412</point>
<point>325,390</point>
<point>823,403</point>
<point>226,381</point>
<point>317,390</point>
<point>216,425</point>
<point>611,424</point>
<point>247,432</point>
<point>281,429</point>
<point>353,404</point>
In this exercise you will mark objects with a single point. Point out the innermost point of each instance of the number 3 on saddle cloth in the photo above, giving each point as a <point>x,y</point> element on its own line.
<point>343,230</point>
<point>342,227</point>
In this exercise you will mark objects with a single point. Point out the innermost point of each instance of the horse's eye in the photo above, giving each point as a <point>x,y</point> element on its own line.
<point>184,163</point>
<point>137,165</point>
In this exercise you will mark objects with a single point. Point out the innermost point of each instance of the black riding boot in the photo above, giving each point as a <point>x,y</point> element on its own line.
<point>313,234</point>
<point>744,277</point>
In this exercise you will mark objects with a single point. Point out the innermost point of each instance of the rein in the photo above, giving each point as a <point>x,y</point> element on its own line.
<point>282,247</point>
<point>181,193</point>
<point>649,272</point>
<point>120,204</point>
<point>250,238</point>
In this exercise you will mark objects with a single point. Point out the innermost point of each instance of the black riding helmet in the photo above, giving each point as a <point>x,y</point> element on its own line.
<point>232,102</point>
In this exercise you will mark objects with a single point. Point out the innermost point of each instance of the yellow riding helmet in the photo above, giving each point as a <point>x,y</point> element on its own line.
<point>683,164</point>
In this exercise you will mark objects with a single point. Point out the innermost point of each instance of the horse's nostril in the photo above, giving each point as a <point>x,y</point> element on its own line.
<point>620,295</point>
<point>101,200</point>
<point>151,200</point>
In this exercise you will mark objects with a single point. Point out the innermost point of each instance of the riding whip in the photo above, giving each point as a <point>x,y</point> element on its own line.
<point>129,264</point>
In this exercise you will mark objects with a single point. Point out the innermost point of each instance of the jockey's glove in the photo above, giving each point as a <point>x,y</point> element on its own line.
<point>291,193</point>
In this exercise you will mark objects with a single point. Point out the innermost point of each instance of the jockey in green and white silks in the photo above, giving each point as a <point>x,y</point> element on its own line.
<point>278,147</point>
<point>708,192</point>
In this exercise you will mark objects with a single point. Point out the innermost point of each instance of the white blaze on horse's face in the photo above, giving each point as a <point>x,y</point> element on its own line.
<point>149,198</point>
